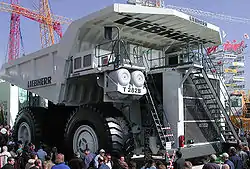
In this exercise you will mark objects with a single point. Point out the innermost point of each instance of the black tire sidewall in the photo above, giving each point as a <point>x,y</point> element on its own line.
<point>25,116</point>
<point>90,117</point>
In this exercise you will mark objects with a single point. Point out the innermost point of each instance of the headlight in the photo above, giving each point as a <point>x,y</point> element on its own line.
<point>122,76</point>
<point>138,78</point>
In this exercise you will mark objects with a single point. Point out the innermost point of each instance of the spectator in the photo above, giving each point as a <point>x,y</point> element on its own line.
<point>20,146</point>
<point>132,164</point>
<point>234,157</point>
<point>10,163</point>
<point>109,161</point>
<point>101,153</point>
<point>179,163</point>
<point>60,164</point>
<point>54,154</point>
<point>246,149</point>
<point>25,153</point>
<point>150,165</point>
<point>225,166</point>
<point>160,165</point>
<point>101,163</point>
<point>4,155</point>
<point>31,162</point>
<point>41,153</point>
<point>243,155</point>
<point>12,150</point>
<point>225,158</point>
<point>37,164</point>
<point>211,164</point>
<point>88,159</point>
<point>188,165</point>
<point>48,164</point>
<point>20,163</point>
<point>32,149</point>
<point>77,162</point>
<point>122,163</point>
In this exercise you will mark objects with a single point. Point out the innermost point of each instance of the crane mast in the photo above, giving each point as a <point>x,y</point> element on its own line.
<point>14,37</point>
<point>46,29</point>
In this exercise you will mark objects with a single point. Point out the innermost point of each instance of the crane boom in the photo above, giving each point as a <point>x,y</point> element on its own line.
<point>16,10</point>
<point>31,14</point>
<point>198,12</point>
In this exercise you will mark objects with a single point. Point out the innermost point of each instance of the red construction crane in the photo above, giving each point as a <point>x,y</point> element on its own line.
<point>49,24</point>
<point>14,37</point>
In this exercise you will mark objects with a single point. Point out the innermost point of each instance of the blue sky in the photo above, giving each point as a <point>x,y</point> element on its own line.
<point>77,8</point>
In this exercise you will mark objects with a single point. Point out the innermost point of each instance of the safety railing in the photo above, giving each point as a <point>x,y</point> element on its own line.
<point>116,52</point>
<point>209,65</point>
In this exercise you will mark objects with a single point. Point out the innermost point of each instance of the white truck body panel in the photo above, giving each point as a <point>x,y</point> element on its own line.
<point>151,27</point>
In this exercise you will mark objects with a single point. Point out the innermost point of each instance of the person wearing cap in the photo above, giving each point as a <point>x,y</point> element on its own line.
<point>225,158</point>
<point>212,164</point>
<point>77,162</point>
<point>101,154</point>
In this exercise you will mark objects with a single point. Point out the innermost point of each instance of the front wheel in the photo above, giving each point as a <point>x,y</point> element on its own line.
<point>29,125</point>
<point>88,128</point>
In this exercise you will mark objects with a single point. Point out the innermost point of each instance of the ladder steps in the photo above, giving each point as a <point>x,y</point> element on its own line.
<point>164,132</point>
<point>205,94</point>
<point>212,103</point>
<point>201,84</point>
<point>204,89</point>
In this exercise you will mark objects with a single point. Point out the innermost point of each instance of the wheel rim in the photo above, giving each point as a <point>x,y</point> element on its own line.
<point>85,137</point>
<point>24,132</point>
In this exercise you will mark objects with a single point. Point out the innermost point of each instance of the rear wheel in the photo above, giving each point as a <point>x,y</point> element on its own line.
<point>28,125</point>
<point>24,132</point>
<point>88,128</point>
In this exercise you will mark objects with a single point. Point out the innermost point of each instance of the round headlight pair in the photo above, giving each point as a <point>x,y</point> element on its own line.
<point>124,77</point>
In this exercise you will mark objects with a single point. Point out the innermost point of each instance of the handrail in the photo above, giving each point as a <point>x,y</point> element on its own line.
<point>225,93</point>
<point>165,116</point>
<point>122,45</point>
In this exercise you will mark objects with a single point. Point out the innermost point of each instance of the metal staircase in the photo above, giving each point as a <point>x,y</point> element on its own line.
<point>164,132</point>
<point>212,100</point>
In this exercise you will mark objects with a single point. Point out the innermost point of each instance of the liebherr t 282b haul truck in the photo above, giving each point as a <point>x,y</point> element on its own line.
<point>129,79</point>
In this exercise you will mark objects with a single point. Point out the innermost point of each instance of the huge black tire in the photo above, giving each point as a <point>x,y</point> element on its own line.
<point>88,124</point>
<point>28,125</point>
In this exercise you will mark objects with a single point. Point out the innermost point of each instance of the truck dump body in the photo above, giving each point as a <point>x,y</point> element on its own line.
<point>45,72</point>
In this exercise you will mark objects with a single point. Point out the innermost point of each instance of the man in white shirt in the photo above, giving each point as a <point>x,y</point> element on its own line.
<point>101,153</point>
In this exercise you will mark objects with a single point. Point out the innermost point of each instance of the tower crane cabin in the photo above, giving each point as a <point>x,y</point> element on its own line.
<point>131,79</point>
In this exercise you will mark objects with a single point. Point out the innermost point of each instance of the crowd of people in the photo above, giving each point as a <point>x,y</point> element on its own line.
<point>18,155</point>
<point>236,158</point>
<point>25,156</point>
